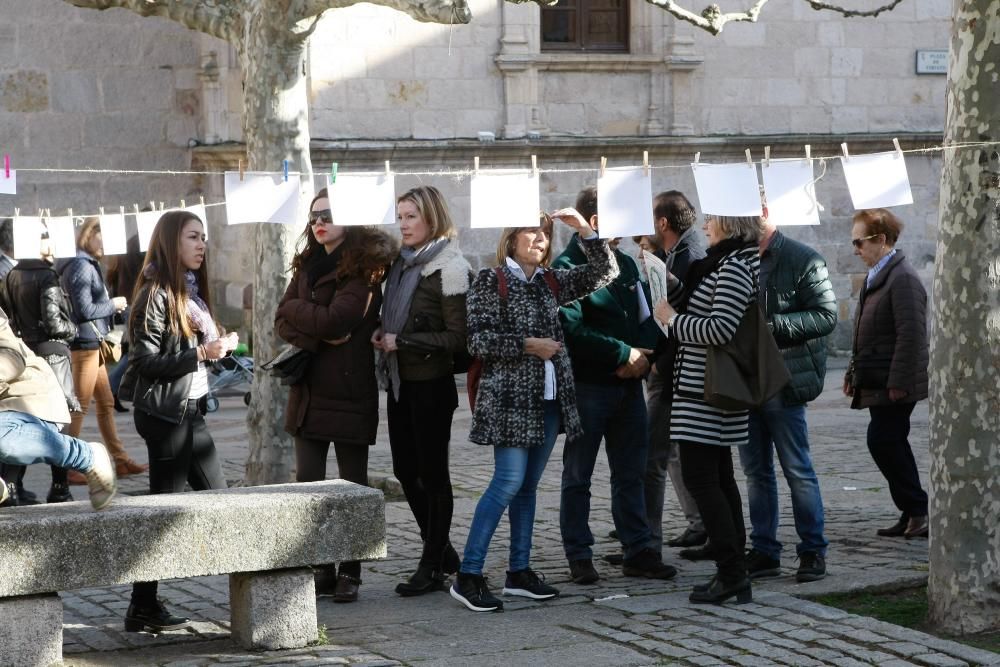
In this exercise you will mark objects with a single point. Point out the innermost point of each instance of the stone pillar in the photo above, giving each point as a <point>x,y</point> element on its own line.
<point>31,630</point>
<point>273,610</point>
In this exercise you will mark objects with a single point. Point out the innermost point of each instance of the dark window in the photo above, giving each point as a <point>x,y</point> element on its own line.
<point>585,25</point>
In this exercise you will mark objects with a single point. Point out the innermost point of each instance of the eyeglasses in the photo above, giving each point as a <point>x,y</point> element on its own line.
<point>857,243</point>
<point>321,217</point>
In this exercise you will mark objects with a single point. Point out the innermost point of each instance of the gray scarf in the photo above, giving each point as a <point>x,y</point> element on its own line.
<point>399,288</point>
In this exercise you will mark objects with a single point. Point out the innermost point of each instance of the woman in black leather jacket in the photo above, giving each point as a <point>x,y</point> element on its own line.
<point>173,334</point>
<point>40,315</point>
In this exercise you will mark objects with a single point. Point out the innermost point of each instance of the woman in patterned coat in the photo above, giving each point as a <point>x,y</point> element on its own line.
<point>705,311</point>
<point>526,390</point>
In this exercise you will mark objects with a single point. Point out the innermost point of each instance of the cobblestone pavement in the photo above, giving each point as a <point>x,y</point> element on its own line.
<point>618,621</point>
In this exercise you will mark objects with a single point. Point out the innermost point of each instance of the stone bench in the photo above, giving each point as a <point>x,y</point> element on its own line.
<point>264,537</point>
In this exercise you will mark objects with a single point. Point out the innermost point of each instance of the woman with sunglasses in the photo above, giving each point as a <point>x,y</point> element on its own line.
<point>331,309</point>
<point>888,369</point>
<point>422,333</point>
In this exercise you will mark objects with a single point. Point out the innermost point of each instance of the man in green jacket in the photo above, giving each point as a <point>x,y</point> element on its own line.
<point>801,309</point>
<point>608,334</point>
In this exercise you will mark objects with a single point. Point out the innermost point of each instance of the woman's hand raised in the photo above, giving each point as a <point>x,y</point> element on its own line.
<point>572,218</point>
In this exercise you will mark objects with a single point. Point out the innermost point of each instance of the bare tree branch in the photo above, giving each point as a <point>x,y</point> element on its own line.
<point>431,11</point>
<point>819,6</point>
<point>220,18</point>
<point>711,18</point>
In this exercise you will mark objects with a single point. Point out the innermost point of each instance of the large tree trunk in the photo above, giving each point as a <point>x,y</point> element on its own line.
<point>964,585</point>
<point>276,127</point>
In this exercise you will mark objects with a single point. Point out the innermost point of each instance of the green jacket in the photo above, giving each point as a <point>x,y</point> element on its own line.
<point>801,308</point>
<point>602,328</point>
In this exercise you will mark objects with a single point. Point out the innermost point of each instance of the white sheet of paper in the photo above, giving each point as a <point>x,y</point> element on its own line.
<point>727,189</point>
<point>624,203</point>
<point>145,223</point>
<point>27,236</point>
<point>198,210</point>
<point>877,180</point>
<point>261,198</point>
<point>8,186</point>
<point>504,198</point>
<point>62,235</point>
<point>113,234</point>
<point>791,193</point>
<point>657,272</point>
<point>363,199</point>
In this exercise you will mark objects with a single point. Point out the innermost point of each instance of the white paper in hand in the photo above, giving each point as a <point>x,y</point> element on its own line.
<point>8,186</point>
<point>791,193</point>
<point>261,198</point>
<point>363,199</point>
<point>27,236</point>
<point>656,269</point>
<point>877,180</point>
<point>727,189</point>
<point>113,234</point>
<point>504,198</point>
<point>624,203</point>
<point>62,236</point>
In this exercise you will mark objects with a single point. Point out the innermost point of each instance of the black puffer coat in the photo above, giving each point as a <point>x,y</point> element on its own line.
<point>83,281</point>
<point>40,312</point>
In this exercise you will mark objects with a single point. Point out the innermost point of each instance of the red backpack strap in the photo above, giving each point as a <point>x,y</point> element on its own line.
<point>550,279</point>
<point>501,282</point>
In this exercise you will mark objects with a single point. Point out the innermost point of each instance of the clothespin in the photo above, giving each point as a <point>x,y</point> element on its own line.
<point>808,152</point>
<point>121,209</point>
<point>899,151</point>
<point>475,164</point>
<point>388,171</point>
<point>48,213</point>
<point>136,207</point>
<point>534,165</point>
<point>152,205</point>
<point>41,213</point>
<point>101,210</point>
<point>161,206</point>
<point>240,163</point>
<point>284,168</point>
<point>697,157</point>
<point>749,159</point>
<point>69,212</point>
<point>17,212</point>
<point>843,149</point>
<point>6,165</point>
<point>645,163</point>
<point>767,156</point>
<point>333,172</point>
<point>604,165</point>
<point>184,203</point>
<point>201,200</point>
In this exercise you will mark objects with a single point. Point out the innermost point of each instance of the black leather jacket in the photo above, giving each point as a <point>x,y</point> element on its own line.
<point>40,311</point>
<point>160,363</point>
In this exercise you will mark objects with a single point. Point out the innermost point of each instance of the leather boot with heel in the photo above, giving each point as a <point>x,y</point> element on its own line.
<point>717,592</point>
<point>154,618</point>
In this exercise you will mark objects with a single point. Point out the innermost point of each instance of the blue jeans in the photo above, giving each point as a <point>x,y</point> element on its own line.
<point>617,415</point>
<point>515,480</point>
<point>25,439</point>
<point>781,428</point>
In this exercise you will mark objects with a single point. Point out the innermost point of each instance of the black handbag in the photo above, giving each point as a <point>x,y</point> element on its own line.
<point>747,371</point>
<point>290,365</point>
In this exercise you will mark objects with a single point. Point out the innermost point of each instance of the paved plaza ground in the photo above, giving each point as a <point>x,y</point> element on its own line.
<point>618,621</point>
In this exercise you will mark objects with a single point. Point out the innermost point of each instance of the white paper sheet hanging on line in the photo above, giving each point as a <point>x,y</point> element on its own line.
<point>8,186</point>
<point>62,236</point>
<point>363,199</point>
<point>261,198</point>
<point>504,198</point>
<point>791,193</point>
<point>145,223</point>
<point>198,210</point>
<point>113,234</point>
<point>27,236</point>
<point>727,189</point>
<point>624,203</point>
<point>877,180</point>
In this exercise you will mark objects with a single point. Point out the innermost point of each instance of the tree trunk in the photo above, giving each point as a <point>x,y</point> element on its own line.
<point>276,127</point>
<point>964,584</point>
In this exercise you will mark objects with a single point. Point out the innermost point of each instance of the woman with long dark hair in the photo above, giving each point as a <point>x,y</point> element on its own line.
<point>173,336</point>
<point>331,309</point>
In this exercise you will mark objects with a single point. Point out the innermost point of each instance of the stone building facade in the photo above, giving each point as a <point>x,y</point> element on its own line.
<point>109,90</point>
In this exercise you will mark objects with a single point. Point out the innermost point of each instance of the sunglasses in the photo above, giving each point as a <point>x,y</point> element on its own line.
<point>857,243</point>
<point>321,217</point>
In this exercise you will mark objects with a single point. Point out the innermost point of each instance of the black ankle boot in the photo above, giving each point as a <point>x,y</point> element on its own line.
<point>450,561</point>
<point>425,580</point>
<point>59,493</point>
<point>717,591</point>
<point>155,618</point>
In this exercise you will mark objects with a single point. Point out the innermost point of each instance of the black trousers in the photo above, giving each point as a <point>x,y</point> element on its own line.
<point>419,433</point>
<point>352,462</point>
<point>179,454</point>
<point>708,475</point>
<point>888,442</point>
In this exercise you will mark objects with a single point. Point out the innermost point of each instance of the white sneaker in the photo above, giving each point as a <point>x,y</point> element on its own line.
<point>101,477</point>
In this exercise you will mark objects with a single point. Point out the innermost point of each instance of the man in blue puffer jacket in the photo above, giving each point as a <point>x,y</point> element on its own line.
<point>801,308</point>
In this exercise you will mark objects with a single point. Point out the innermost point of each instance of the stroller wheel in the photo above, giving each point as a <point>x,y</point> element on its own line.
<point>212,404</point>
<point>246,398</point>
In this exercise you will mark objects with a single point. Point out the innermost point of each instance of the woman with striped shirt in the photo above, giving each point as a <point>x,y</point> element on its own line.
<point>703,311</point>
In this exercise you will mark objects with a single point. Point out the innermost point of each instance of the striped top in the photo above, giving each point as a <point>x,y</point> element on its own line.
<point>713,313</point>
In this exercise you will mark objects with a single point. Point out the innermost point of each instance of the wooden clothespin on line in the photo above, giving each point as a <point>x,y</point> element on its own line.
<point>645,163</point>
<point>475,165</point>
<point>242,174</point>
<point>333,172</point>
<point>749,159</point>
<point>808,153</point>
<point>697,158</point>
<point>184,203</point>
<point>604,165</point>
<point>767,157</point>
<point>388,170</point>
<point>534,165</point>
<point>899,151</point>
<point>843,149</point>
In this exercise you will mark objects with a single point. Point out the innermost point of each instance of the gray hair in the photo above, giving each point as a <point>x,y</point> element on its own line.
<point>7,235</point>
<point>747,228</point>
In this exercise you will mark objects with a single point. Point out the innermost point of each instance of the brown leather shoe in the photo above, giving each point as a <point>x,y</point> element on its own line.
<point>126,467</point>
<point>895,530</point>
<point>76,478</point>
<point>916,527</point>
<point>347,588</point>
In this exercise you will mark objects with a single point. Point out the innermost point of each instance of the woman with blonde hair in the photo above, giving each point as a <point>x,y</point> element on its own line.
<point>423,329</point>
<point>92,312</point>
<point>526,393</point>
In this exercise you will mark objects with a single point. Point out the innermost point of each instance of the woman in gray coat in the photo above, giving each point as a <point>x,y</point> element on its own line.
<point>888,370</point>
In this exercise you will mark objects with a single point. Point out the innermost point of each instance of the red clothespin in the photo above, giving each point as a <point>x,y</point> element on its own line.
<point>6,165</point>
